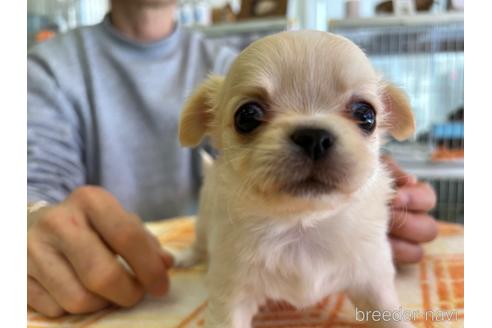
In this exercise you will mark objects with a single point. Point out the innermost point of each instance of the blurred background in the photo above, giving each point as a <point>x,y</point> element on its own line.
<point>418,44</point>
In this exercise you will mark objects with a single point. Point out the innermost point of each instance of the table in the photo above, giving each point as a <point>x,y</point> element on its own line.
<point>435,284</point>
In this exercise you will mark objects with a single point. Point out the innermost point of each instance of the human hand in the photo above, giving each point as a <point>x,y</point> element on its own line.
<point>72,263</point>
<point>410,223</point>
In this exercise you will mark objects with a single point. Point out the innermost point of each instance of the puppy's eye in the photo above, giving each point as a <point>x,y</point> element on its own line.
<point>365,115</point>
<point>248,117</point>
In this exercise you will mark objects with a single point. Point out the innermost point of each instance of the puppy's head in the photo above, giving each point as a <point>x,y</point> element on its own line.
<point>299,114</point>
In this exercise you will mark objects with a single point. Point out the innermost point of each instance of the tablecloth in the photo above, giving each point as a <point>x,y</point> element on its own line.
<point>431,293</point>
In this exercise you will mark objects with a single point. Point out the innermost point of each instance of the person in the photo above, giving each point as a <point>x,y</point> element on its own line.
<point>103,104</point>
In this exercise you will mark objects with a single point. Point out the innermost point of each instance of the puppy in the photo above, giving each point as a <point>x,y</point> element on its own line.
<point>295,206</point>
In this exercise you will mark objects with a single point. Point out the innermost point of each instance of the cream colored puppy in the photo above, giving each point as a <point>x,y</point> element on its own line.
<point>295,206</point>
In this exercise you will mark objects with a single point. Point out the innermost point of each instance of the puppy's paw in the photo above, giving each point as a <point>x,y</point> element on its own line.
<point>185,258</point>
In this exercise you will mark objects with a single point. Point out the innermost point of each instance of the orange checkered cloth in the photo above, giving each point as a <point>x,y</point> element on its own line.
<point>431,293</point>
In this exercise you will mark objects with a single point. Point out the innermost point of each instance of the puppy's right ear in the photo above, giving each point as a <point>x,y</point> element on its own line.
<point>198,114</point>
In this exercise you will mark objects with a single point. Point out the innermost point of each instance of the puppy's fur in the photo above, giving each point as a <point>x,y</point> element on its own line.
<point>272,223</point>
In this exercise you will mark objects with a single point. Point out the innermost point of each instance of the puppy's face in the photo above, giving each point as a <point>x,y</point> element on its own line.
<point>299,113</point>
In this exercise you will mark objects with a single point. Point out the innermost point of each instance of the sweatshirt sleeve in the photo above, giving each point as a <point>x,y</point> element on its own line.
<point>54,144</point>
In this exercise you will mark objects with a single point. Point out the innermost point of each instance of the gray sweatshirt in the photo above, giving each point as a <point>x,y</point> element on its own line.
<point>103,110</point>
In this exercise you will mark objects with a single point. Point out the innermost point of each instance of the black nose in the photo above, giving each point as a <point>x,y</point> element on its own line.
<point>314,142</point>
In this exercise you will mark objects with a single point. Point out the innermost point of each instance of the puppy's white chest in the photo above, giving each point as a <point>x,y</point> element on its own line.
<point>299,266</point>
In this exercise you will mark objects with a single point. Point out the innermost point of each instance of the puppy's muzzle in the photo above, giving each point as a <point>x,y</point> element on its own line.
<point>314,142</point>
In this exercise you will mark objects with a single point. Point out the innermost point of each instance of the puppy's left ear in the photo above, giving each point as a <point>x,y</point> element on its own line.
<point>399,112</point>
<point>198,112</point>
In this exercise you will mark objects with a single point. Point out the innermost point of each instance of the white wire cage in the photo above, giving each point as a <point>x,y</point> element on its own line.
<point>424,54</point>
